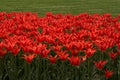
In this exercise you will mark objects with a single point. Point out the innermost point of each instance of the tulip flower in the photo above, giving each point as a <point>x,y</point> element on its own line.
<point>100,65</point>
<point>113,56</point>
<point>63,56</point>
<point>108,74</point>
<point>52,59</point>
<point>29,58</point>
<point>75,61</point>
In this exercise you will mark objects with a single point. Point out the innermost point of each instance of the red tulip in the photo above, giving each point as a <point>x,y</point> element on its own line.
<point>57,48</point>
<point>75,52</point>
<point>3,53</point>
<point>52,59</point>
<point>75,61</point>
<point>3,50</point>
<point>90,52</point>
<point>29,58</point>
<point>63,56</point>
<point>15,51</point>
<point>44,53</point>
<point>100,65</point>
<point>113,56</point>
<point>108,74</point>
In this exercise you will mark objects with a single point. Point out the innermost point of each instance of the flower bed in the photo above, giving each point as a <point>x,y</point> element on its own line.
<point>59,47</point>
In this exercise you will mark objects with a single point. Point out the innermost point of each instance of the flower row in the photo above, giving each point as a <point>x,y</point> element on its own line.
<point>60,37</point>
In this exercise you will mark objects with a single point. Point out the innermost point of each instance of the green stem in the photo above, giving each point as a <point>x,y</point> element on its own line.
<point>44,69</point>
<point>1,68</point>
<point>62,70</point>
<point>88,68</point>
<point>27,71</point>
<point>118,69</point>
<point>37,68</point>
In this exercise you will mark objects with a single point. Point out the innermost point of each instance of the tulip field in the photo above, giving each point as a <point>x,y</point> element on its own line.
<point>59,40</point>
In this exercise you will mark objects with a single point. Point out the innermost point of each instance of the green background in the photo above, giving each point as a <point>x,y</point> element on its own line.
<point>62,6</point>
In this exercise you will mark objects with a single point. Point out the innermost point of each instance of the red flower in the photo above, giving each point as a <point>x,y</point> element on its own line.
<point>44,53</point>
<point>63,56</point>
<point>29,58</point>
<point>113,56</point>
<point>108,74</point>
<point>90,52</point>
<point>10,45</point>
<point>75,52</point>
<point>15,50</point>
<point>49,14</point>
<point>75,61</point>
<point>3,52</point>
<point>57,48</point>
<point>100,65</point>
<point>52,59</point>
<point>38,48</point>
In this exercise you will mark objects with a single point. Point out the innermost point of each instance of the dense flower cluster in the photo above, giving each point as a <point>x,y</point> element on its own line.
<point>57,37</point>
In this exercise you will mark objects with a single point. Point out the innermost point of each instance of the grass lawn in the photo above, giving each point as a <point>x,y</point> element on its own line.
<point>62,6</point>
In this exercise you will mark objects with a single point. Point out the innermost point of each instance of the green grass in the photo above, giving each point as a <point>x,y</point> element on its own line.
<point>62,6</point>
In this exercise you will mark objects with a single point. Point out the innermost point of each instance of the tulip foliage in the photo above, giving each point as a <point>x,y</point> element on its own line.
<point>59,47</point>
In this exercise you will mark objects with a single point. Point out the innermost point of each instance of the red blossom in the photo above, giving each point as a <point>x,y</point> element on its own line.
<point>75,61</point>
<point>44,53</point>
<point>15,51</point>
<point>3,53</point>
<point>108,74</point>
<point>29,58</point>
<point>63,56</point>
<point>52,59</point>
<point>75,52</point>
<point>113,56</point>
<point>100,65</point>
<point>90,52</point>
<point>3,50</point>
